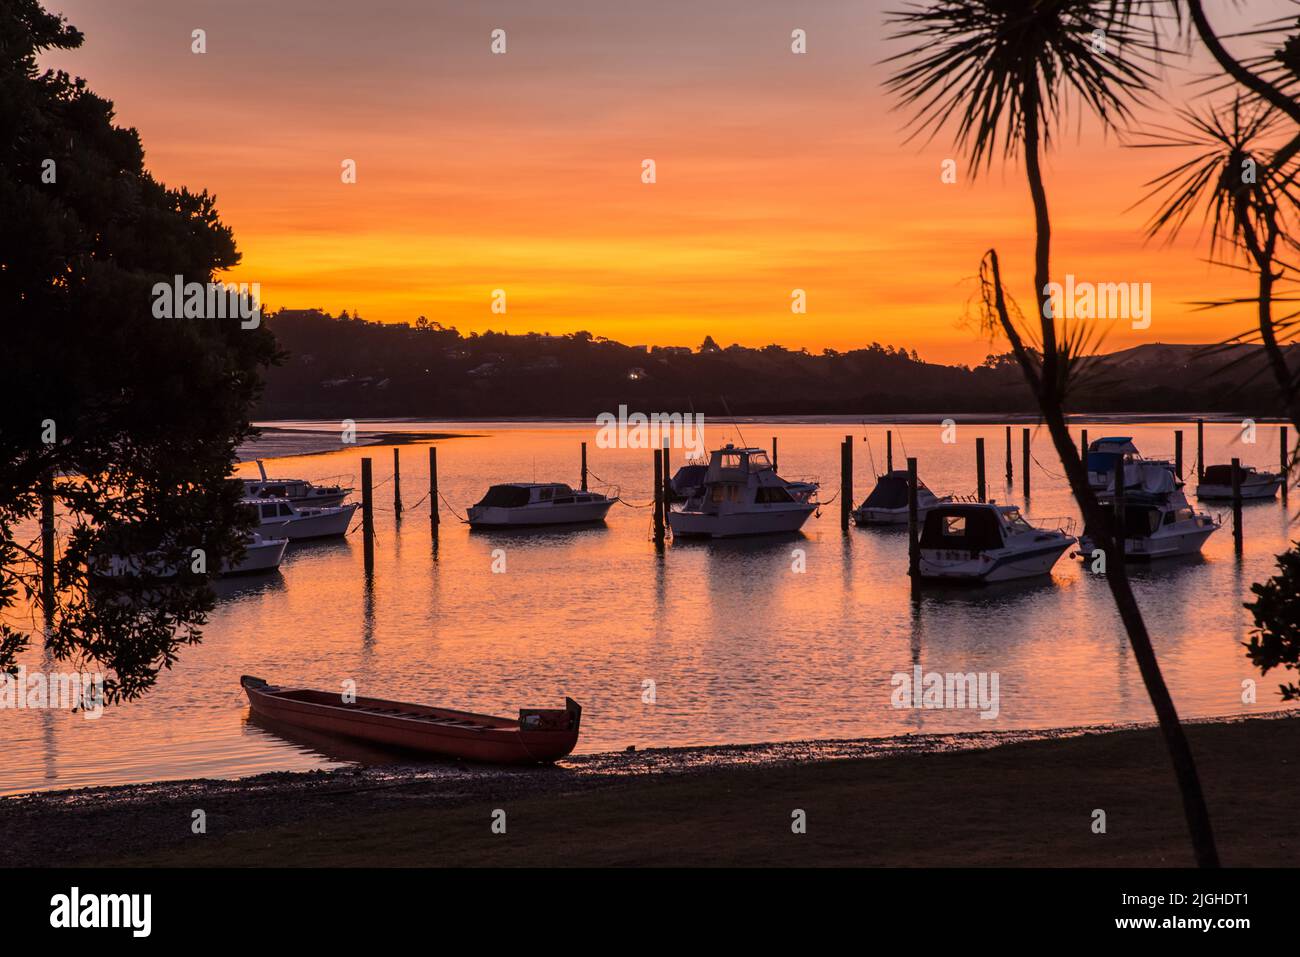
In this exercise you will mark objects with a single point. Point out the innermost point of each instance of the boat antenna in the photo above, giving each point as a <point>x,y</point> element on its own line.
<point>740,434</point>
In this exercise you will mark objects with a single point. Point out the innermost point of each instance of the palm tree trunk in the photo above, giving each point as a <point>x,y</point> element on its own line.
<point>1050,396</point>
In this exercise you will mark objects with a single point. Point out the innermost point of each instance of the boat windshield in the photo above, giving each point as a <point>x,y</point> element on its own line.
<point>1015,522</point>
<point>758,461</point>
<point>504,496</point>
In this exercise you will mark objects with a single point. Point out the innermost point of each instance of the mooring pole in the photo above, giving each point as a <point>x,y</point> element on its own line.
<point>433,486</point>
<point>397,481</point>
<point>1284,456</point>
<point>774,453</point>
<point>367,516</point>
<point>47,551</point>
<point>1024,464</point>
<point>659,498</point>
<point>846,481</point>
<point>1200,450</point>
<point>1083,448</point>
<point>1178,453</point>
<point>889,451</point>
<point>1121,526</point>
<point>1236,506</point>
<point>1010,475</point>
<point>584,466</point>
<point>980,488</point>
<point>913,524</point>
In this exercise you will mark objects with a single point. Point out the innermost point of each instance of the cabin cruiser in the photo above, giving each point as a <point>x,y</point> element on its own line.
<point>281,518</point>
<point>986,542</point>
<point>1103,454</point>
<point>297,491</point>
<point>520,504</point>
<point>261,553</point>
<point>887,503</point>
<point>742,495</point>
<point>1216,483</point>
<point>1159,526</point>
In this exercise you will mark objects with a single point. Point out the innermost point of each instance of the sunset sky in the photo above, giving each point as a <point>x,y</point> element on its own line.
<point>522,171</point>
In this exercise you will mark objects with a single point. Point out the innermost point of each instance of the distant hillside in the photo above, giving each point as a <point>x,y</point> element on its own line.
<point>344,367</point>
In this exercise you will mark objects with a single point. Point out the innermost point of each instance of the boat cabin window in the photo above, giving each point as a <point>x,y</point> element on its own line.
<point>724,493</point>
<point>731,460</point>
<point>772,494</point>
<point>545,494</point>
<point>758,461</point>
<point>954,525</point>
<point>1016,522</point>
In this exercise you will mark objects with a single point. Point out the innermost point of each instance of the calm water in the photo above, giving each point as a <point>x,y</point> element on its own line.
<point>741,648</point>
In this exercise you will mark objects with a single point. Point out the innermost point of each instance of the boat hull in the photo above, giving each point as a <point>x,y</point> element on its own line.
<point>331,524</point>
<point>992,566</point>
<point>774,521</point>
<point>261,556</point>
<point>885,516</point>
<point>1187,542</point>
<point>532,516</point>
<point>435,731</point>
<point>1250,491</point>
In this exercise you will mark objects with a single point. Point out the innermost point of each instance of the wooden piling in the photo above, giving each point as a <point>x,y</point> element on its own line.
<point>913,524</point>
<point>1121,526</point>
<point>367,516</point>
<point>981,490</point>
<point>1010,474</point>
<point>1200,450</point>
<point>1284,460</point>
<point>774,453</point>
<point>1083,447</point>
<point>1024,460</point>
<point>1178,453</point>
<point>659,497</point>
<point>846,481</point>
<point>1237,540</point>
<point>433,487</point>
<point>889,451</point>
<point>48,589</point>
<point>397,481</point>
<point>584,466</point>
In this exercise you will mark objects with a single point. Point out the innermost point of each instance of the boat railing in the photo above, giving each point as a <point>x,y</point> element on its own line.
<point>1060,523</point>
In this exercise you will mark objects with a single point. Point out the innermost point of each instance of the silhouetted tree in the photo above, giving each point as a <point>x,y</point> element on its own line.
<point>136,418</point>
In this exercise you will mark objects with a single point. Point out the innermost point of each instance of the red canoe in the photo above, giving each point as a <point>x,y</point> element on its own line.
<point>537,736</point>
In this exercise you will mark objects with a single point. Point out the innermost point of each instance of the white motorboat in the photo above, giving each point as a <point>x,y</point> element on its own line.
<point>298,491</point>
<point>887,503</point>
<point>1216,484</point>
<point>742,495</point>
<point>1103,455</point>
<point>986,542</point>
<point>522,504</point>
<point>280,518</point>
<point>1158,526</point>
<point>261,554</point>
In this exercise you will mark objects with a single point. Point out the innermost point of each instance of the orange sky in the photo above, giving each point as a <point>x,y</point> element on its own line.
<point>522,171</point>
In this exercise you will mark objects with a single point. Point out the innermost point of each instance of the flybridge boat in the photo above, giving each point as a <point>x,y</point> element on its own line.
<point>537,736</point>
<point>1103,454</point>
<point>1158,521</point>
<point>986,542</point>
<point>280,518</point>
<point>742,495</point>
<point>887,503</point>
<point>522,504</point>
<point>1158,526</point>
<point>297,491</point>
<point>1216,484</point>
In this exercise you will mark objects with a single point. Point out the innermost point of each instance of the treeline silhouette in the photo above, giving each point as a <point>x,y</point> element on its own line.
<point>347,367</point>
